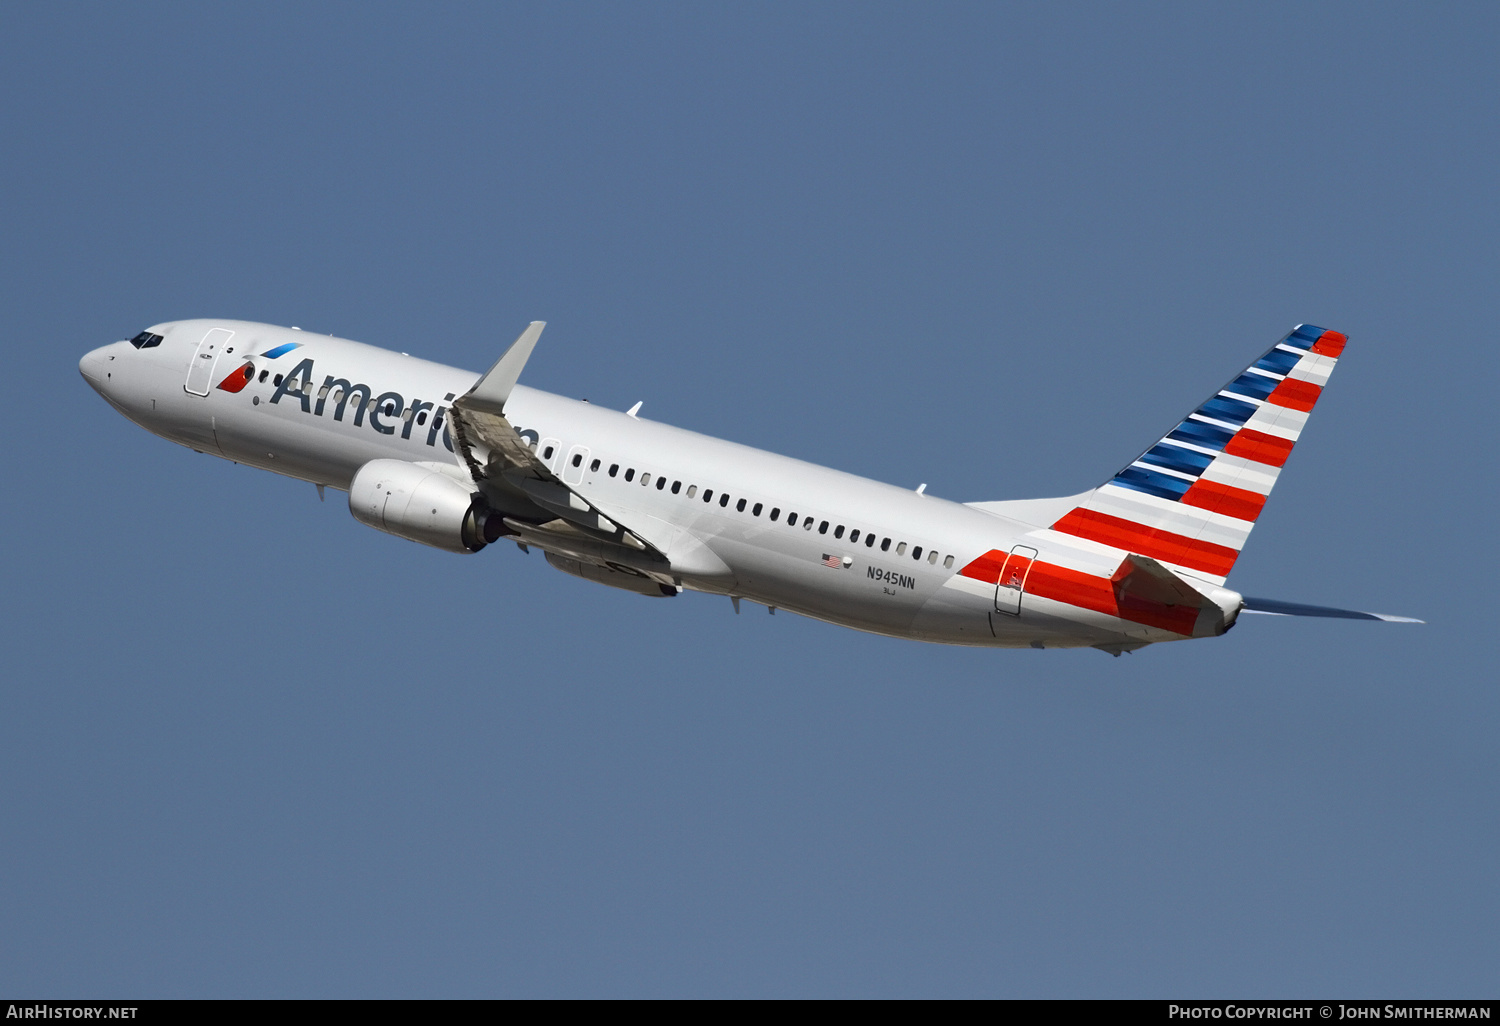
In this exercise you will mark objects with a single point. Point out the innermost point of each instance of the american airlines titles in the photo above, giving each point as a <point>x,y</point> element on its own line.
<point>298,384</point>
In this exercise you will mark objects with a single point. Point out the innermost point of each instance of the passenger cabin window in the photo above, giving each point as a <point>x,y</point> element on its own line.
<point>692,491</point>
<point>614,468</point>
<point>854,536</point>
<point>594,467</point>
<point>547,453</point>
<point>947,562</point>
<point>422,417</point>
<point>263,375</point>
<point>645,478</point>
<point>838,532</point>
<point>708,495</point>
<point>630,474</point>
<point>901,548</point>
<point>807,523</point>
<point>276,381</point>
<point>723,500</point>
<point>755,510</point>
<point>775,512</point>
<point>885,545</point>
<point>676,487</point>
<point>661,483</point>
<point>869,541</point>
<point>823,527</point>
<point>740,505</point>
<point>916,552</point>
<point>932,557</point>
<point>791,520</point>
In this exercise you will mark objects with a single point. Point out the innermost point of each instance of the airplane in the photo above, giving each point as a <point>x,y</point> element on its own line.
<point>458,461</point>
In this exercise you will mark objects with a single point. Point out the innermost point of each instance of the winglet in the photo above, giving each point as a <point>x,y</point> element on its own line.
<point>492,390</point>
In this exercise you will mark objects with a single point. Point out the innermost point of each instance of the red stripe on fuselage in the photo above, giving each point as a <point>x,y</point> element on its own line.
<point>1148,541</point>
<point>1075,588</point>
<point>986,568</point>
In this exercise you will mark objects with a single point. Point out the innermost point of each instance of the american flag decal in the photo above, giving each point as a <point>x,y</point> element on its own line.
<point>833,561</point>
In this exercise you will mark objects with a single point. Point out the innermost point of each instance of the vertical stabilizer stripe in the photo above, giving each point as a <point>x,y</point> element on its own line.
<point>1250,444</point>
<point>1148,541</point>
<point>1221,498</point>
<point>1330,343</point>
<point>1296,395</point>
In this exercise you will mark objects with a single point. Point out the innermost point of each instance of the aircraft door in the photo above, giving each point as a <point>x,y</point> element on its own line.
<point>573,466</point>
<point>200,373</point>
<point>1012,583</point>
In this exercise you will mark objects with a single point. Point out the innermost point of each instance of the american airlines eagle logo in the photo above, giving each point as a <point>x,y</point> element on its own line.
<point>241,377</point>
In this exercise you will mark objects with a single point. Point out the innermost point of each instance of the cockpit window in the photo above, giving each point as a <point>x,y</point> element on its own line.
<point>146,340</point>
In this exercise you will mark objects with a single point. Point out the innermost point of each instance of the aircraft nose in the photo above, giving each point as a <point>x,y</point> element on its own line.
<point>93,368</point>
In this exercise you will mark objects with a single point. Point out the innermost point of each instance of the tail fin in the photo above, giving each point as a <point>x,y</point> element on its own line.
<point>1191,499</point>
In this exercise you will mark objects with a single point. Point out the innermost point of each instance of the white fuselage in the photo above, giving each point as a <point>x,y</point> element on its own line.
<point>899,576</point>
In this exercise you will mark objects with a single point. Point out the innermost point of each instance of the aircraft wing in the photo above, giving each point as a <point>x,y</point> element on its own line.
<point>495,454</point>
<point>492,451</point>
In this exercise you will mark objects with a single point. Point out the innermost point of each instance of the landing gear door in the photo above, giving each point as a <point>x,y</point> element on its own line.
<point>200,373</point>
<point>1012,583</point>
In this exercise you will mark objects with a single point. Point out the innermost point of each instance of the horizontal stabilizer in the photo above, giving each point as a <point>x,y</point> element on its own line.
<point>1144,578</point>
<point>1147,592</point>
<point>1277,608</point>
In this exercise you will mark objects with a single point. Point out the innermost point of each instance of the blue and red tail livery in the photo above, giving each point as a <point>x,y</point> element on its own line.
<point>1191,499</point>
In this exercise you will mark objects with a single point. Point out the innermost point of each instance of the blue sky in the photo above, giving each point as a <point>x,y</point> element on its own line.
<point>249,747</point>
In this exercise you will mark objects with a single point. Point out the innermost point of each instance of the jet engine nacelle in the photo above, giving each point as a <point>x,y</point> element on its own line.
<point>422,503</point>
